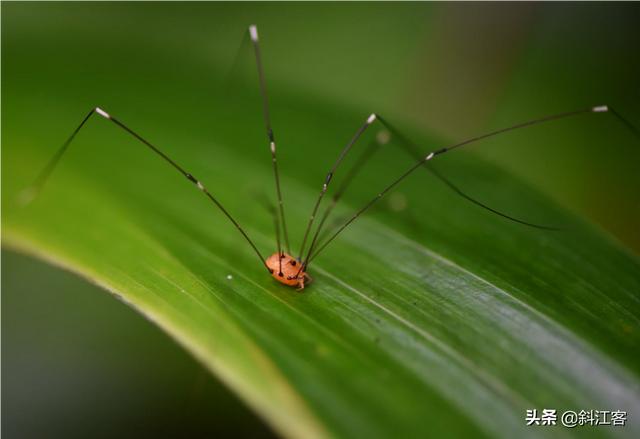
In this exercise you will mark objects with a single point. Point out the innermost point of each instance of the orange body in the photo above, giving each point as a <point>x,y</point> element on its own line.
<point>290,274</point>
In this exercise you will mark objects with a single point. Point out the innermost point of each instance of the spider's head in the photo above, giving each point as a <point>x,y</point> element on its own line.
<point>286,269</point>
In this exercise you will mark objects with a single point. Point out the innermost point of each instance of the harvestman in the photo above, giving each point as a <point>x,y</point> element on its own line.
<point>285,268</point>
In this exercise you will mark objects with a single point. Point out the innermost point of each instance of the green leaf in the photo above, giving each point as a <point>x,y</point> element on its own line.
<point>437,319</point>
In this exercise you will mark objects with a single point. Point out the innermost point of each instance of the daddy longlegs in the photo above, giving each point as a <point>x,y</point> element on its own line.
<point>285,268</point>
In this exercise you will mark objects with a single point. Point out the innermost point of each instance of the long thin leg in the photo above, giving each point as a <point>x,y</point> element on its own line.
<point>31,192</point>
<point>431,155</point>
<point>329,176</point>
<point>48,169</point>
<point>458,191</point>
<point>253,32</point>
<point>344,185</point>
<point>413,150</point>
<point>276,225</point>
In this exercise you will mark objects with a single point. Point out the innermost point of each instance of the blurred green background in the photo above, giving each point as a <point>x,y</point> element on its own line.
<point>450,70</point>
